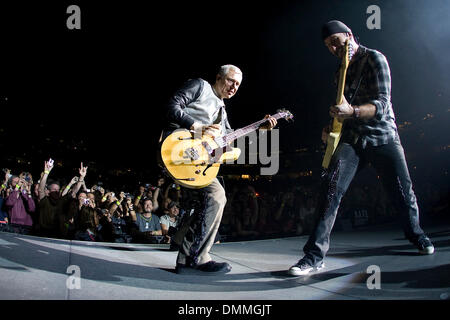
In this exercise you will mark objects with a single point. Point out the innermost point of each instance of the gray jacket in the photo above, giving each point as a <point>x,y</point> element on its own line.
<point>196,102</point>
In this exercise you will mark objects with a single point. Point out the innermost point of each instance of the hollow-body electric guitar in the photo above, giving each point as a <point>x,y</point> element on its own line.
<point>194,161</point>
<point>336,130</point>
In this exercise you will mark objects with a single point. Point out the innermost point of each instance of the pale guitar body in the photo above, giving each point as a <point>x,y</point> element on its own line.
<point>194,162</point>
<point>192,171</point>
<point>332,141</point>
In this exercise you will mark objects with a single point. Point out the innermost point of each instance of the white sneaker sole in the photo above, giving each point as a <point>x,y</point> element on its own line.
<point>295,271</point>
<point>427,250</point>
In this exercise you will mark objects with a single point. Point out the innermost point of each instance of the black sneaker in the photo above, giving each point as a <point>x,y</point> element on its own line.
<point>425,246</point>
<point>209,268</point>
<point>303,267</point>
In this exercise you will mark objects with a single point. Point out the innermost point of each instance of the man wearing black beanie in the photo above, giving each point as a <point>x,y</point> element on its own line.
<point>369,134</point>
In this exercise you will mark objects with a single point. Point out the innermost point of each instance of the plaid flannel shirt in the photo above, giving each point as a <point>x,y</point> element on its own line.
<point>374,88</point>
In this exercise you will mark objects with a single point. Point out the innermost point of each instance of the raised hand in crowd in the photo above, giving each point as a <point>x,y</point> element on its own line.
<point>80,182</point>
<point>117,202</point>
<point>74,180</point>
<point>129,208</point>
<point>71,183</point>
<point>48,166</point>
<point>106,198</point>
<point>26,187</point>
<point>7,176</point>
<point>156,195</point>
<point>91,203</point>
<point>139,196</point>
<point>22,185</point>
<point>99,189</point>
<point>83,171</point>
<point>160,182</point>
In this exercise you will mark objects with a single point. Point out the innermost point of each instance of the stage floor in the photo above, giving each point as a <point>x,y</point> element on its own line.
<point>37,268</point>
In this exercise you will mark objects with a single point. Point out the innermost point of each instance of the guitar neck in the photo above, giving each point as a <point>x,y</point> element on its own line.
<point>243,131</point>
<point>343,71</point>
<point>337,125</point>
<point>341,86</point>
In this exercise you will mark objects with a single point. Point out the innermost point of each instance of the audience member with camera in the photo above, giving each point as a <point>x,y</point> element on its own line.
<point>147,191</point>
<point>88,221</point>
<point>119,217</point>
<point>147,224</point>
<point>20,204</point>
<point>170,222</point>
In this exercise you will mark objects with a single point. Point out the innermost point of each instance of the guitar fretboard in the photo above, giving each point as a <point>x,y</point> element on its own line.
<point>226,139</point>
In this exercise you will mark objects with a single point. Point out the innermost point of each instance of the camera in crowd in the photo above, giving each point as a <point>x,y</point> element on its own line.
<point>148,187</point>
<point>26,176</point>
<point>129,195</point>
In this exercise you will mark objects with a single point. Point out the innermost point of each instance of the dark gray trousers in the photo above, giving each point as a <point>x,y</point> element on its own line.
<point>390,163</point>
<point>203,227</point>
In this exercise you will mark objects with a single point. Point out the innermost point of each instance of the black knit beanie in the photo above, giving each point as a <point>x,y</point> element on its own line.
<point>332,27</point>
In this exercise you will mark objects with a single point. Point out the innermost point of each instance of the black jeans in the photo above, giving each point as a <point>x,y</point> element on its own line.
<point>390,163</point>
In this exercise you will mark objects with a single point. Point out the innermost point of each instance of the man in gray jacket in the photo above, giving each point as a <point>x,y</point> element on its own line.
<point>199,106</point>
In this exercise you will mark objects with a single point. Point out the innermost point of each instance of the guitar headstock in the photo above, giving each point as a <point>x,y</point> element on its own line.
<point>286,114</point>
<point>347,55</point>
<point>351,51</point>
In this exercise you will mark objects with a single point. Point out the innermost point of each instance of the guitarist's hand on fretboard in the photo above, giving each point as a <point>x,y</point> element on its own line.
<point>272,122</point>
<point>342,111</point>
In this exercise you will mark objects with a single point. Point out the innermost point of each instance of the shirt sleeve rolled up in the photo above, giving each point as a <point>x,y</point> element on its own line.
<point>381,84</point>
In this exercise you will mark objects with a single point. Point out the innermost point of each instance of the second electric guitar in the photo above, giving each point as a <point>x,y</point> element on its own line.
<point>335,133</point>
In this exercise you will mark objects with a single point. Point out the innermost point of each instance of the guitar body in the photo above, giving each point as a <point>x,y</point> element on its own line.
<point>332,142</point>
<point>188,160</point>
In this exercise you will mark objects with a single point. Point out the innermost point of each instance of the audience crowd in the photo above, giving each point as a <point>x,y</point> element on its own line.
<point>153,213</point>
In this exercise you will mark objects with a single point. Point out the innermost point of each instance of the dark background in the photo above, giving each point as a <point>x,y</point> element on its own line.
<point>98,94</point>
